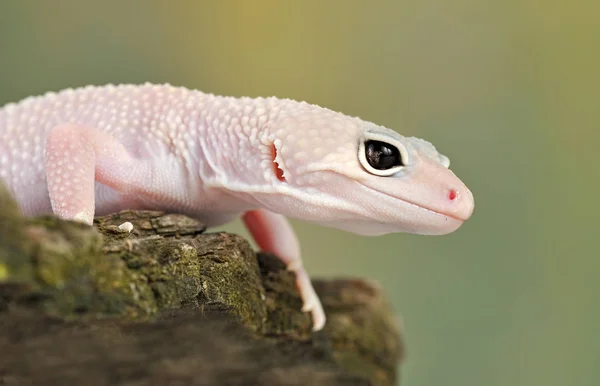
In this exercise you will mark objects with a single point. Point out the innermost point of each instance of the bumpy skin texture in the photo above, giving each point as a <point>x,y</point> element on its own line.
<point>95,150</point>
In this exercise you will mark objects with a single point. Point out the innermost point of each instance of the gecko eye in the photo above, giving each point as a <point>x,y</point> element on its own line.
<point>382,156</point>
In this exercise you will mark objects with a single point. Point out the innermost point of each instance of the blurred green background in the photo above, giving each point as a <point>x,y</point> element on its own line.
<point>509,90</point>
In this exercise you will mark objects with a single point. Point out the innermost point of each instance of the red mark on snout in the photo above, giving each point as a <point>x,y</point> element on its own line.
<point>452,195</point>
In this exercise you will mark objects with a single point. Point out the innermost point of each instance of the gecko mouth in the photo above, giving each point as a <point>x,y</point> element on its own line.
<point>423,220</point>
<point>454,216</point>
<point>444,214</point>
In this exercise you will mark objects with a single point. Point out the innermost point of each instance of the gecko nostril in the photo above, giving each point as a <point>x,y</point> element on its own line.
<point>452,195</point>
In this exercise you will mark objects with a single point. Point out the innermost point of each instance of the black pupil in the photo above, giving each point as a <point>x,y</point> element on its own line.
<point>381,155</point>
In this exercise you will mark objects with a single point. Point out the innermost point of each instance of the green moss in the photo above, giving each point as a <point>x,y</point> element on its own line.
<point>282,300</point>
<point>230,277</point>
<point>4,273</point>
<point>15,246</point>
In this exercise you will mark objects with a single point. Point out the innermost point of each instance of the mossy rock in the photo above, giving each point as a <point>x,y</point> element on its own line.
<point>170,303</point>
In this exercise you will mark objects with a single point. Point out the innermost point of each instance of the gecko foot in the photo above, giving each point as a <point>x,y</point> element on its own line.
<point>310,299</point>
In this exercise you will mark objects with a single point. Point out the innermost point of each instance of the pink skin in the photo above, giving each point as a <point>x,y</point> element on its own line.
<point>97,150</point>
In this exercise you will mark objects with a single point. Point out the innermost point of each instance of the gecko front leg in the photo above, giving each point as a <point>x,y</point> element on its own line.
<point>274,234</point>
<point>75,157</point>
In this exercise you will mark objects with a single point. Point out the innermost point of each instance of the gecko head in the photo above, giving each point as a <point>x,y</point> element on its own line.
<point>346,173</point>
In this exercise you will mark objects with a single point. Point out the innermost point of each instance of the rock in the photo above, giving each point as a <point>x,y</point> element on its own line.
<point>170,304</point>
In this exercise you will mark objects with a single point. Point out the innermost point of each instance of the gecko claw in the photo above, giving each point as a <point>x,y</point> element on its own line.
<point>83,218</point>
<point>295,266</point>
<point>306,307</point>
<point>318,316</point>
<point>310,299</point>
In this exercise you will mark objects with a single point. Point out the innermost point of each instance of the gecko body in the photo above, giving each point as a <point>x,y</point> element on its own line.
<point>96,150</point>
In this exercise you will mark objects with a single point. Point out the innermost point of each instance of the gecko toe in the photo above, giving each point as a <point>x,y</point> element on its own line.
<point>83,217</point>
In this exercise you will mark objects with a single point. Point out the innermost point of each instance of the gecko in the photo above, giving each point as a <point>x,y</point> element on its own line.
<point>96,150</point>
